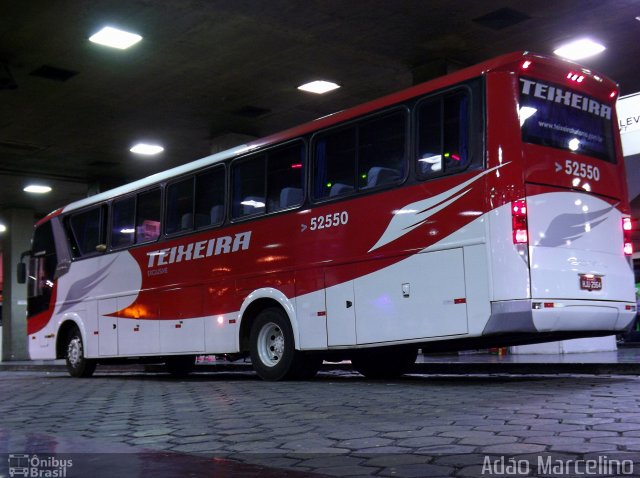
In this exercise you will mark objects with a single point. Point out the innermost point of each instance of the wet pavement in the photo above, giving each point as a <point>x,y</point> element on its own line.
<point>124,422</point>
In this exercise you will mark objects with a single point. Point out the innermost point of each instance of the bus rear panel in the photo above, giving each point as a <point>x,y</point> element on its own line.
<point>569,265</point>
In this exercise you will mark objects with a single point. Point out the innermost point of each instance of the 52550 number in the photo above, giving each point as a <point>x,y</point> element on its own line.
<point>329,220</point>
<point>581,170</point>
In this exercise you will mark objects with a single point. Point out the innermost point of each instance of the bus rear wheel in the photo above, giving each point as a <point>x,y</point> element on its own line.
<point>77,364</point>
<point>273,353</point>
<point>384,363</point>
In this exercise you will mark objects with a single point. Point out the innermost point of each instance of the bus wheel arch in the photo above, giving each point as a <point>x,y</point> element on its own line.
<point>268,332</point>
<point>254,304</point>
<point>70,345</point>
<point>61,338</point>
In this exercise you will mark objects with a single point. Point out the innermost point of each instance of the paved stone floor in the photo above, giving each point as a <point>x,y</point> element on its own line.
<point>339,424</point>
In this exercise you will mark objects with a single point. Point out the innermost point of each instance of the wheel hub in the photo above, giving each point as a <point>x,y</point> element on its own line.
<point>74,351</point>
<point>271,344</point>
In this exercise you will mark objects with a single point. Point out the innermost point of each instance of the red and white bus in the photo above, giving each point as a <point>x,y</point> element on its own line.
<point>484,208</point>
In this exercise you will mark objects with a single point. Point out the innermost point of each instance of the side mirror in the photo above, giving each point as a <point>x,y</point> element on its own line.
<point>22,273</point>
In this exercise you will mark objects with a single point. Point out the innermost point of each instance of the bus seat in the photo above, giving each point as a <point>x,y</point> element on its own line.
<point>378,176</point>
<point>339,188</point>
<point>251,205</point>
<point>290,197</point>
<point>187,221</point>
<point>217,214</point>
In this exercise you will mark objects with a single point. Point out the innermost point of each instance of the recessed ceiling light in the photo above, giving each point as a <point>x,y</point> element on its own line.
<point>3,228</point>
<point>579,49</point>
<point>37,189</point>
<point>115,38</point>
<point>319,87</point>
<point>147,149</point>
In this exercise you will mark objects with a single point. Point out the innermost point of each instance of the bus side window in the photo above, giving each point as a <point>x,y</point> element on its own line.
<point>443,135</point>
<point>123,213</point>
<point>148,216</point>
<point>180,206</point>
<point>370,154</point>
<point>285,177</point>
<point>335,164</point>
<point>209,201</point>
<point>86,231</point>
<point>456,131</point>
<point>381,150</point>
<point>248,179</point>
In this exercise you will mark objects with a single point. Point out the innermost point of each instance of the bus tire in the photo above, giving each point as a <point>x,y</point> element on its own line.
<point>272,347</point>
<point>180,365</point>
<point>384,363</point>
<point>77,364</point>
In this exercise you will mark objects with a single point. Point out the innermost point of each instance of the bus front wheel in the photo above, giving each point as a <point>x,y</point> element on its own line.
<point>77,364</point>
<point>273,352</point>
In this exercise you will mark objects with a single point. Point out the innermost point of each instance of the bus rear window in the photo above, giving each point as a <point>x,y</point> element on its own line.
<point>558,117</point>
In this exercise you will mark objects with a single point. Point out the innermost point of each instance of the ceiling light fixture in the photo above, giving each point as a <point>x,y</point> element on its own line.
<point>319,87</point>
<point>579,49</point>
<point>37,189</point>
<point>3,228</point>
<point>147,149</point>
<point>115,38</point>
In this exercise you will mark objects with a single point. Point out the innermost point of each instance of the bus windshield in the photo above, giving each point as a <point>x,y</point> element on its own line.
<point>555,116</point>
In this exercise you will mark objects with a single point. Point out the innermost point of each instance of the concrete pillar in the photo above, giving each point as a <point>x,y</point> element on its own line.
<point>15,240</point>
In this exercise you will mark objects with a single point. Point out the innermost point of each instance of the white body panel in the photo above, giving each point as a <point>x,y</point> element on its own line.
<point>571,234</point>
<point>421,297</point>
<point>341,313</point>
<point>221,333</point>
<point>509,272</point>
<point>312,320</point>
<point>107,327</point>
<point>583,315</point>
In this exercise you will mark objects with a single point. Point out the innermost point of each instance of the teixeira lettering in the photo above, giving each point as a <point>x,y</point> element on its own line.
<point>200,249</point>
<point>565,97</point>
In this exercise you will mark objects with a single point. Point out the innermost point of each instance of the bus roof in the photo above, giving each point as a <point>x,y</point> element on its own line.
<point>324,122</point>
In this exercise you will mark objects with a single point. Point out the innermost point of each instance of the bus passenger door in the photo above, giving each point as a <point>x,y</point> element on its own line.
<point>341,311</point>
<point>107,327</point>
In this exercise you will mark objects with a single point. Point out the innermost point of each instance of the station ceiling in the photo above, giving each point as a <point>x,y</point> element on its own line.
<point>206,69</point>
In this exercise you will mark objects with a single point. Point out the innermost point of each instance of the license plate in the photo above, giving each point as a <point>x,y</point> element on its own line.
<point>590,282</point>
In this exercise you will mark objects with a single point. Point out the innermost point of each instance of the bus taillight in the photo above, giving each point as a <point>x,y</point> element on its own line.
<point>626,229</point>
<point>519,221</point>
